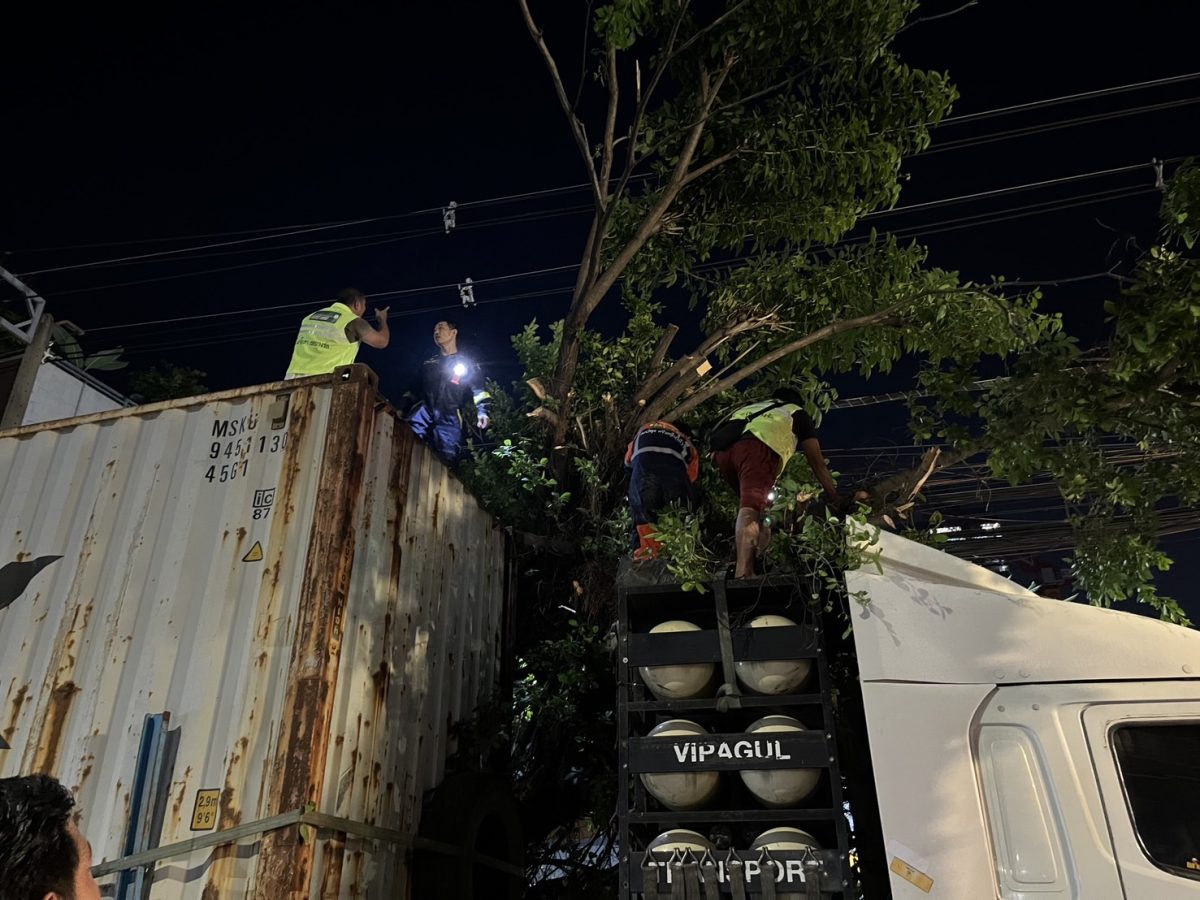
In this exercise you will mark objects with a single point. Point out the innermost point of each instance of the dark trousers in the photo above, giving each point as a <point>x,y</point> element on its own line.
<point>652,488</point>
<point>441,430</point>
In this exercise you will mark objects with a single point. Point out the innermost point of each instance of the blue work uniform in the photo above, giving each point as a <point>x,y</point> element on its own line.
<point>449,385</point>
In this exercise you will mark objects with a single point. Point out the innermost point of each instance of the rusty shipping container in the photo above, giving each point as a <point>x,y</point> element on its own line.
<point>252,616</point>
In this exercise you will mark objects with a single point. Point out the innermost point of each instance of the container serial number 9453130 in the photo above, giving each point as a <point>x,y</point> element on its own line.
<point>267,443</point>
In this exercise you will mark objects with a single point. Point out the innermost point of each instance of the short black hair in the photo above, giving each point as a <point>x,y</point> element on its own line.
<point>449,322</point>
<point>349,295</point>
<point>38,853</point>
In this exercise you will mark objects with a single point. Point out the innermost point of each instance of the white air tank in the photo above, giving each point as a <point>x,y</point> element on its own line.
<point>779,788</point>
<point>677,682</point>
<point>773,676</point>
<point>782,839</point>
<point>681,790</point>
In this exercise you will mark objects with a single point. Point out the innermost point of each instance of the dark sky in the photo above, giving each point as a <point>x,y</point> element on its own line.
<point>215,118</point>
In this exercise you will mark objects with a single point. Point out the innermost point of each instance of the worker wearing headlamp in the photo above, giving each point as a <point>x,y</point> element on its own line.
<point>451,384</point>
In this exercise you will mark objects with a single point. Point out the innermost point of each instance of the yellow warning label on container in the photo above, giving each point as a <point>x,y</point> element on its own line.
<point>204,816</point>
<point>255,554</point>
<point>911,874</point>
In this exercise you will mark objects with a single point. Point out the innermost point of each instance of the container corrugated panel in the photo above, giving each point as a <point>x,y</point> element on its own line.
<point>309,594</point>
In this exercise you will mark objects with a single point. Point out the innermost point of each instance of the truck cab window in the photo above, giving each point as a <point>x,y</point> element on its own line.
<point>1160,769</point>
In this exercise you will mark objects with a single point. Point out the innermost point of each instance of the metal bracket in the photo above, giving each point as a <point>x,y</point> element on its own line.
<point>34,305</point>
<point>449,216</point>
<point>728,695</point>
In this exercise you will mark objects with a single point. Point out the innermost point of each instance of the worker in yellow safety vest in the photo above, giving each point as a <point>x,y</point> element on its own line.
<point>751,451</point>
<point>330,337</point>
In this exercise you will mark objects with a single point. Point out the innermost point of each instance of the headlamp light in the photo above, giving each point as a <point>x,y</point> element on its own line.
<point>459,370</point>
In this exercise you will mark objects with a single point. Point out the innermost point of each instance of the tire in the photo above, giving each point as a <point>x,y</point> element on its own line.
<point>474,811</point>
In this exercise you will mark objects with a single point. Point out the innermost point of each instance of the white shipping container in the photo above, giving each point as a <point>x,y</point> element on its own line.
<point>302,591</point>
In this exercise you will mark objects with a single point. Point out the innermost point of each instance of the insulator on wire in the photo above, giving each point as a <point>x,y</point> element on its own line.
<point>449,214</point>
<point>466,292</point>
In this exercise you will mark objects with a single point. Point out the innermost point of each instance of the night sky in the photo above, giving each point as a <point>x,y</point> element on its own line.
<point>208,119</point>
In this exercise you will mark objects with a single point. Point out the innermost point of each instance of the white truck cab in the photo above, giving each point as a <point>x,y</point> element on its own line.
<point>1025,748</point>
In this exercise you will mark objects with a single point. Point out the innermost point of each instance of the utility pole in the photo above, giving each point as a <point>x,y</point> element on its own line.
<point>34,333</point>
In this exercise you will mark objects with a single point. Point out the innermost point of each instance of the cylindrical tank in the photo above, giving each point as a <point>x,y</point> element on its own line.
<point>681,790</point>
<point>785,838</point>
<point>779,788</point>
<point>681,839</point>
<point>773,676</point>
<point>776,839</point>
<point>677,682</point>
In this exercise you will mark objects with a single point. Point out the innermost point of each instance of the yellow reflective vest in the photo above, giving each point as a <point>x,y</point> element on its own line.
<point>773,428</point>
<point>321,345</point>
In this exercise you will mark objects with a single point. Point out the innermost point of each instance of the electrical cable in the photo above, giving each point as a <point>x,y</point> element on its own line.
<point>548,192</point>
<point>290,328</point>
<point>399,235</point>
<point>932,204</point>
<point>917,231</point>
<point>1030,130</point>
<point>1067,98</point>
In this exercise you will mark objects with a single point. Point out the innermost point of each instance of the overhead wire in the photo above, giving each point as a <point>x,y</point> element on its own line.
<point>998,192</point>
<point>284,231</point>
<point>187,343</point>
<point>913,231</point>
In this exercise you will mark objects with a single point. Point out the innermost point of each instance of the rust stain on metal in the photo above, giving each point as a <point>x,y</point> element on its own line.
<point>49,743</point>
<point>22,556</point>
<point>17,702</point>
<point>334,852</point>
<point>285,863</point>
<point>177,804</point>
<point>230,814</point>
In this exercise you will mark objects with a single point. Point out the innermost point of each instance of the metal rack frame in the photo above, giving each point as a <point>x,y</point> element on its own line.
<point>729,604</point>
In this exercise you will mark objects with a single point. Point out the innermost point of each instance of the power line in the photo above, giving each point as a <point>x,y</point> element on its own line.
<point>913,231</point>
<point>1067,98</point>
<point>284,231</point>
<point>998,192</point>
<point>310,303</point>
<point>1030,130</point>
<point>398,235</point>
<point>184,344</point>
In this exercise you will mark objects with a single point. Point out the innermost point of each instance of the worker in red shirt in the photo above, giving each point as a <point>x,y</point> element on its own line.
<point>664,466</point>
<point>769,435</point>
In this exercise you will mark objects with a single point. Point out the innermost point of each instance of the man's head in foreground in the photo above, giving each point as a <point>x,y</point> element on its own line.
<point>43,856</point>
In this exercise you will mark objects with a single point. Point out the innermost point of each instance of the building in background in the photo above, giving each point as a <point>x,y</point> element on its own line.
<point>59,391</point>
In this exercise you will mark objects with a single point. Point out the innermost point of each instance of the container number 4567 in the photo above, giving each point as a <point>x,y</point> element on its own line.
<point>227,472</point>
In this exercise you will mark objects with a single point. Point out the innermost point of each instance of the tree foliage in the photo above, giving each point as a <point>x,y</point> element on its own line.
<point>731,148</point>
<point>166,381</point>
<point>1065,405</point>
<point>726,129</point>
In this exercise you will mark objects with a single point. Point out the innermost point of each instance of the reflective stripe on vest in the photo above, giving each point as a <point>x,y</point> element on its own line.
<point>773,428</point>
<point>321,345</point>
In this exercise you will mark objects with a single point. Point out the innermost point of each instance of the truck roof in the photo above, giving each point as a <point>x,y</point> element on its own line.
<point>936,619</point>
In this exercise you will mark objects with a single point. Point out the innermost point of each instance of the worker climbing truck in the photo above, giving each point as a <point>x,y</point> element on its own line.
<point>994,744</point>
<point>239,627</point>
